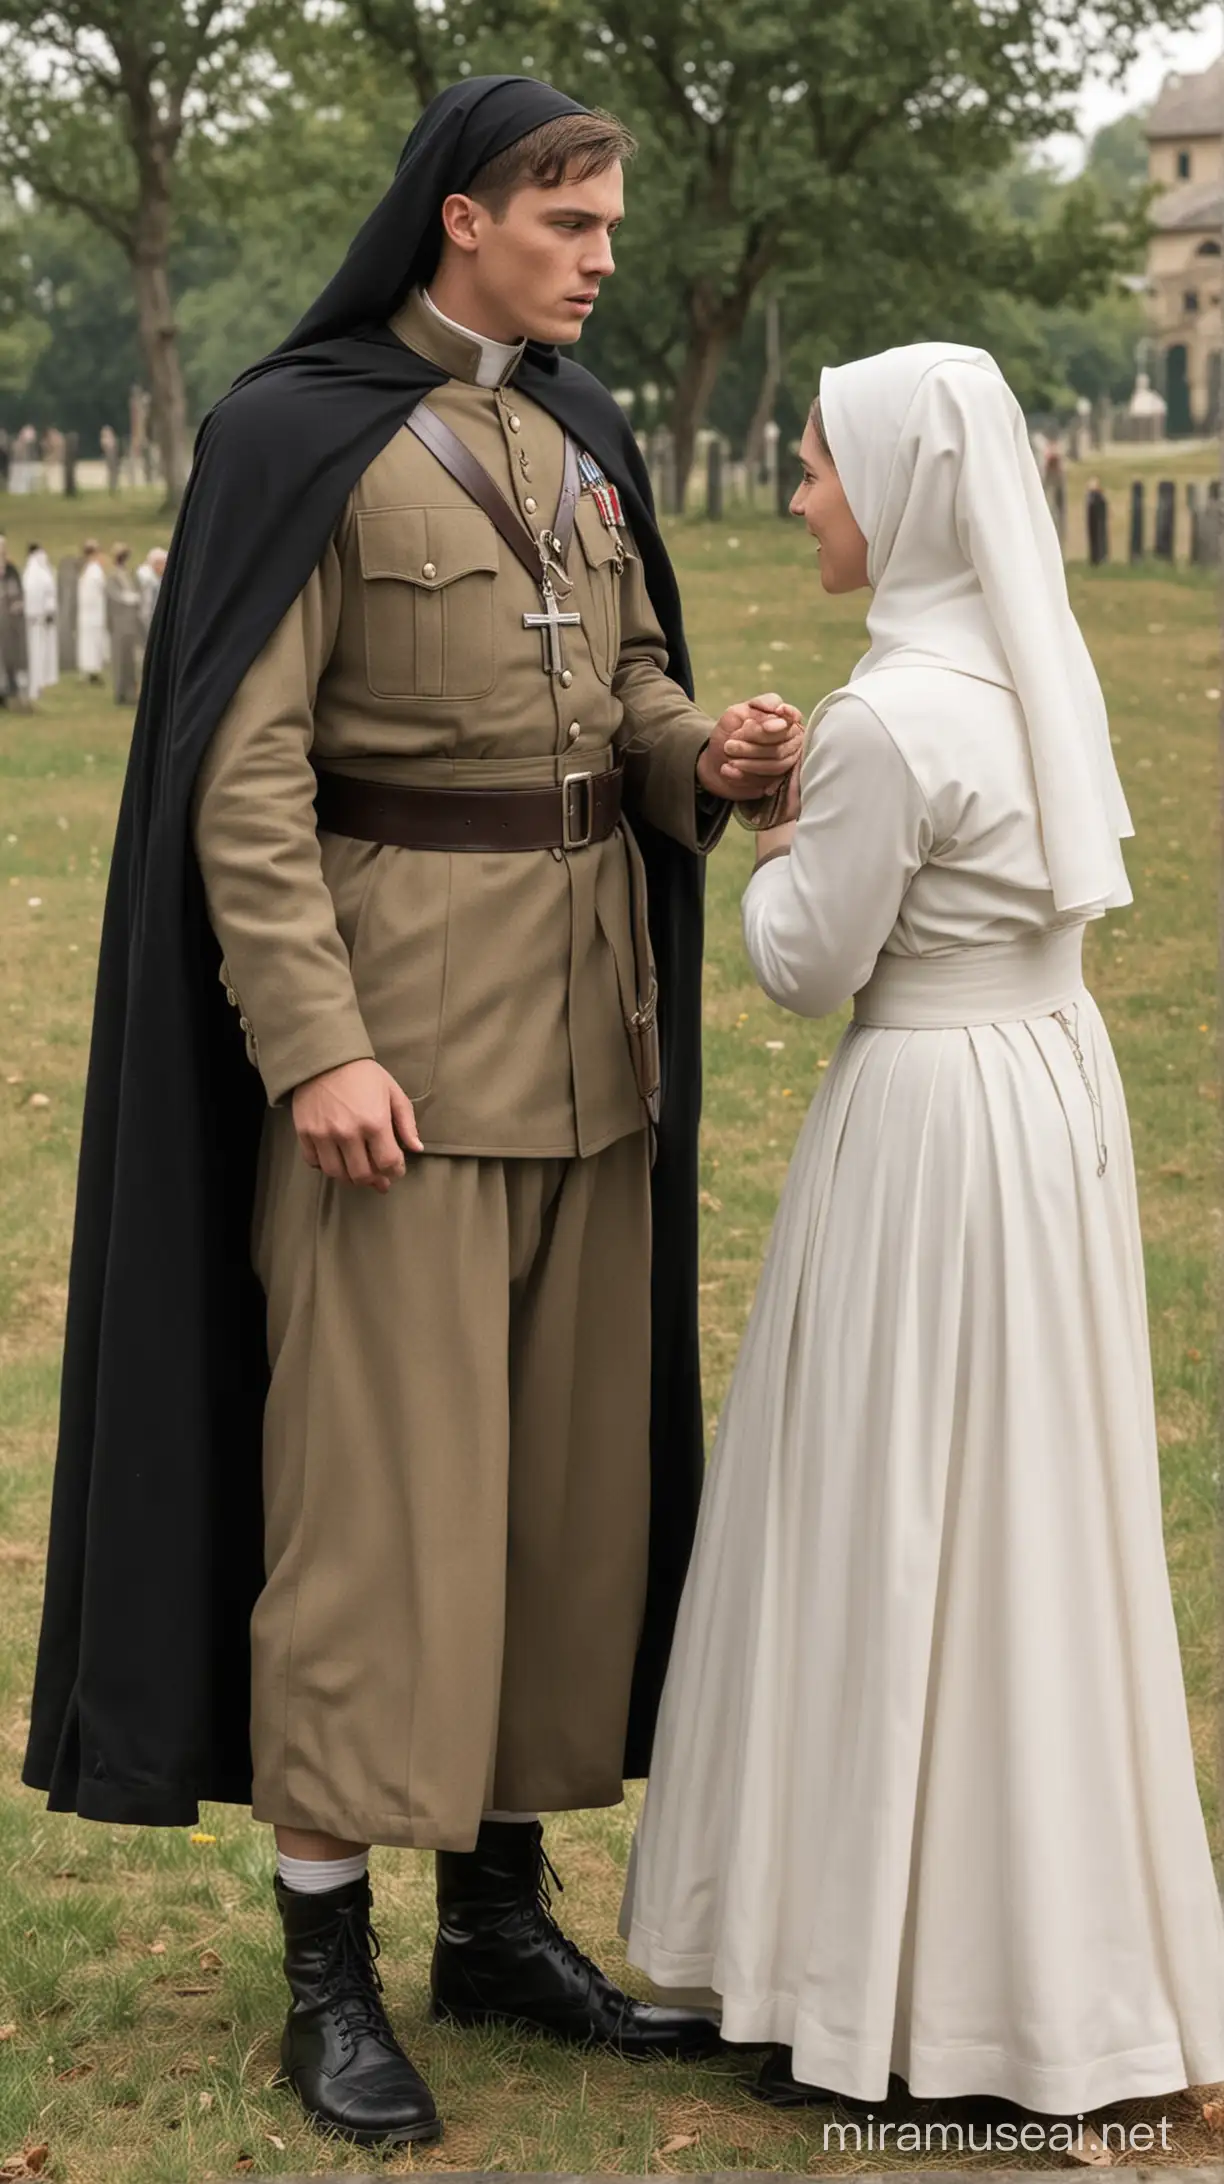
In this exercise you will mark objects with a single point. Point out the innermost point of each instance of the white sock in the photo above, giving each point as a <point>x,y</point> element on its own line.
<point>521,1819</point>
<point>314,1876</point>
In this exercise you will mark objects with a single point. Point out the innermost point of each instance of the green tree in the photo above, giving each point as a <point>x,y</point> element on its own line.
<point>101,104</point>
<point>23,331</point>
<point>778,144</point>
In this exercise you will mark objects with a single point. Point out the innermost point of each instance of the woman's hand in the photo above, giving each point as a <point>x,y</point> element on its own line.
<point>776,841</point>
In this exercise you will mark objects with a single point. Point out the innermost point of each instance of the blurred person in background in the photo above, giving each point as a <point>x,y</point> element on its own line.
<point>93,638</point>
<point>14,663</point>
<point>41,593</point>
<point>123,603</point>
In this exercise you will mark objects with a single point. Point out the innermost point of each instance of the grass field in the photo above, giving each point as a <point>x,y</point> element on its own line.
<point>140,1996</point>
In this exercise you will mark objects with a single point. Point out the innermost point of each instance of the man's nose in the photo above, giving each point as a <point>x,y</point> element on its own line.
<point>598,262</point>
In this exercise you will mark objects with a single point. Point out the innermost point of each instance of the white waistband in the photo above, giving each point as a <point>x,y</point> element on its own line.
<point>1000,982</point>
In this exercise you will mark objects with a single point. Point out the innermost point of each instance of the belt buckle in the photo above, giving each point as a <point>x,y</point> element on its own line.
<point>575,833</point>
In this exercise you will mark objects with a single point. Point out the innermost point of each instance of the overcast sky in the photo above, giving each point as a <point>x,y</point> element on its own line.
<point>1184,50</point>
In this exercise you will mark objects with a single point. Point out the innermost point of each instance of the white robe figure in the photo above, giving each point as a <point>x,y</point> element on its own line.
<point>923,1796</point>
<point>93,638</point>
<point>41,592</point>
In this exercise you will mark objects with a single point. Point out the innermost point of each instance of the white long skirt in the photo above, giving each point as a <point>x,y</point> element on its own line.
<point>923,1796</point>
<point>42,640</point>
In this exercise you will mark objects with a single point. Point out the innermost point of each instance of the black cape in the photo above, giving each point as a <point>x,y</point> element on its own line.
<point>142,1697</point>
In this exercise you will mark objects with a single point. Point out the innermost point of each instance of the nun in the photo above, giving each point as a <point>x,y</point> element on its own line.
<point>923,1796</point>
<point>41,594</point>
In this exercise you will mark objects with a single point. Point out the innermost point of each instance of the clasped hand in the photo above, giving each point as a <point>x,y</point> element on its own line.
<point>753,747</point>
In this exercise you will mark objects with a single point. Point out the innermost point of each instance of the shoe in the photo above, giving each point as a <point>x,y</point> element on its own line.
<point>502,1959</point>
<point>339,2053</point>
<point>777,2085</point>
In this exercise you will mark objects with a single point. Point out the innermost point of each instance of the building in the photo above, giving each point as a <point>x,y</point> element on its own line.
<point>1185,133</point>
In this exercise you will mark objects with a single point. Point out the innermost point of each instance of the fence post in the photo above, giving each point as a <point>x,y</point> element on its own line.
<point>1166,518</point>
<point>1137,521</point>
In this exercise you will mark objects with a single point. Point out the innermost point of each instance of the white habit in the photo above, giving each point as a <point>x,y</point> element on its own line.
<point>923,1795</point>
<point>93,639</point>
<point>40,589</point>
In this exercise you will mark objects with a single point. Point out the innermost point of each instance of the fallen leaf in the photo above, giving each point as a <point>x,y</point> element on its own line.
<point>38,1099</point>
<point>206,2100</point>
<point>679,2145</point>
<point>78,2070</point>
<point>157,1948</point>
<point>199,1838</point>
<point>272,2139</point>
<point>1091,2151</point>
<point>1213,2113</point>
<point>209,1961</point>
<point>245,2161</point>
<point>193,1990</point>
<point>8,2032</point>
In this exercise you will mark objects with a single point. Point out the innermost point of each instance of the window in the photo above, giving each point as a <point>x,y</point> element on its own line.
<point>1190,302</point>
<point>1183,166</point>
<point>1209,249</point>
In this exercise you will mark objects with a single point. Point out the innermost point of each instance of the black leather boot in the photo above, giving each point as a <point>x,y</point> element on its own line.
<point>502,1959</point>
<point>338,2052</point>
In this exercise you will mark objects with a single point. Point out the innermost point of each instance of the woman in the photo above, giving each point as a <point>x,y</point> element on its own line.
<point>41,592</point>
<point>923,1796</point>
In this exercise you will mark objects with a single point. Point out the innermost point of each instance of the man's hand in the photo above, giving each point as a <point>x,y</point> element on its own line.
<point>753,746</point>
<point>354,1123</point>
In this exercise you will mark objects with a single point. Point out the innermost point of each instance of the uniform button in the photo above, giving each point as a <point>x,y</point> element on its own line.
<point>515,423</point>
<point>566,678</point>
<point>575,730</point>
<point>530,505</point>
<point>429,569</point>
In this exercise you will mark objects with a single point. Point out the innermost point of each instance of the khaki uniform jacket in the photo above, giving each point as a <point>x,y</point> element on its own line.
<point>494,987</point>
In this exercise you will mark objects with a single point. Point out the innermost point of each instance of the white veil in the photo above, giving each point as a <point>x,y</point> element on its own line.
<point>932,452</point>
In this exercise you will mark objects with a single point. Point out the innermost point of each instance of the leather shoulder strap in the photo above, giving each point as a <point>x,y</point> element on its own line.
<point>448,449</point>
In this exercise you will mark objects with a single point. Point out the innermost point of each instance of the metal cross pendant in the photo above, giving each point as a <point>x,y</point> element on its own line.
<point>552,622</point>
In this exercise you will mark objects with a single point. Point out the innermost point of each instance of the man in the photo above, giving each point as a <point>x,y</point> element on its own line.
<point>92,615</point>
<point>401,680</point>
<point>14,658</point>
<point>123,626</point>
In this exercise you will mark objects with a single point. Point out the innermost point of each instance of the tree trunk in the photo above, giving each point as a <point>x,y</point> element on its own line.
<point>159,341</point>
<point>707,346</point>
<point>754,446</point>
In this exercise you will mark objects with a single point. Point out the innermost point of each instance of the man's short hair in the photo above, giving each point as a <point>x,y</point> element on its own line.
<point>570,149</point>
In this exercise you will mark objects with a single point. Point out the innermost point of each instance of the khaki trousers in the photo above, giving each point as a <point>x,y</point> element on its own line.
<point>456,1476</point>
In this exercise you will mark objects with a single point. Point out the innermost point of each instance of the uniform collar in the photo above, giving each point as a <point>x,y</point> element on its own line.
<point>461,354</point>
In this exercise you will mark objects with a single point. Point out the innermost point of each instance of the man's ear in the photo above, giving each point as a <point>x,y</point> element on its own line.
<point>461,221</point>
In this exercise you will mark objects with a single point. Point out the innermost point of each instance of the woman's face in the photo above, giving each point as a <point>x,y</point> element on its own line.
<point>826,512</point>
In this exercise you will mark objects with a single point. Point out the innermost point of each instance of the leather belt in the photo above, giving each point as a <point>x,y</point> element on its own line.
<point>585,808</point>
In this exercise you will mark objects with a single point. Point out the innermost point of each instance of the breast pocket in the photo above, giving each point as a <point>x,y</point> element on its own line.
<point>604,559</point>
<point>427,577</point>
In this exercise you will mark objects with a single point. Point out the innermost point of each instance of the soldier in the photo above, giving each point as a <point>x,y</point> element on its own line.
<point>417,694</point>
